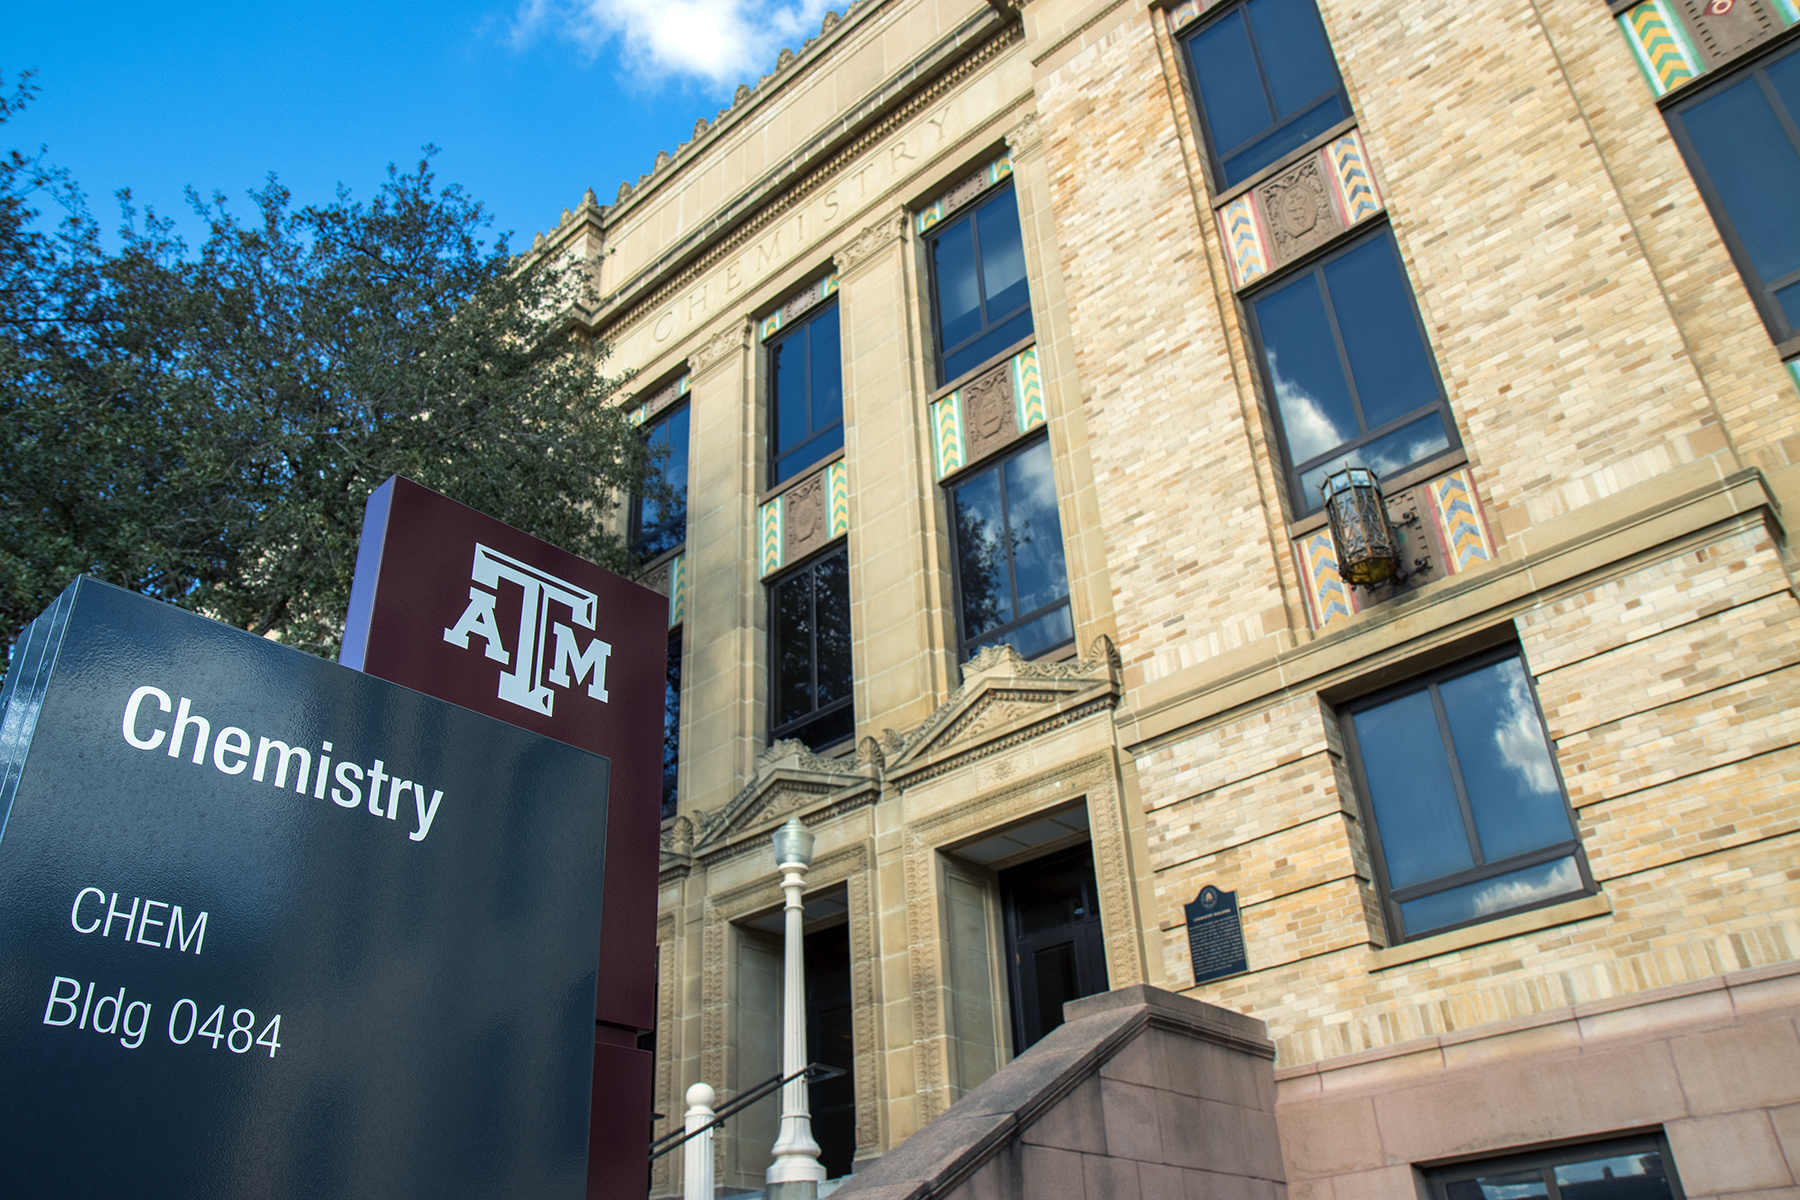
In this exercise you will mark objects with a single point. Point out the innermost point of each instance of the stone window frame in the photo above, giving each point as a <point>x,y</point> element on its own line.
<point>966,209</point>
<point>1439,1180</point>
<point>1300,505</point>
<point>1762,292</point>
<point>1184,36</point>
<point>1391,898</point>
<point>791,729</point>
<point>671,791</point>
<point>965,646</point>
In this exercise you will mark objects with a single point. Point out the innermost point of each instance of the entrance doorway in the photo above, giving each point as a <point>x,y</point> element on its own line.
<point>830,1041</point>
<point>1055,951</point>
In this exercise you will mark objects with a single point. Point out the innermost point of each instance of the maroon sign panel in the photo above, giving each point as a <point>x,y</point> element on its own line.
<point>452,603</point>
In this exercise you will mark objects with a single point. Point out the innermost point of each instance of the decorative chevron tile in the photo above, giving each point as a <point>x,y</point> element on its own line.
<point>772,541</point>
<point>1357,193</point>
<point>1794,372</point>
<point>1790,12</point>
<point>946,423</point>
<point>1244,239</point>
<point>678,590</point>
<point>1659,42</point>
<point>1028,389</point>
<point>828,285</point>
<point>930,215</point>
<point>1327,595</point>
<point>1460,521</point>
<point>837,492</point>
<point>1000,168</point>
<point>1183,14</point>
<point>770,325</point>
<point>638,414</point>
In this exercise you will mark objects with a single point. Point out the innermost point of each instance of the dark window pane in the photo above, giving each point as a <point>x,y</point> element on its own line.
<point>990,343</point>
<point>793,620</point>
<point>826,731</point>
<point>787,368</point>
<point>1489,897</point>
<point>827,376</point>
<point>1755,170</point>
<point>1374,309</point>
<point>662,525</point>
<point>1231,94</point>
<point>1506,768</point>
<point>831,587</point>
<point>1621,1177</point>
<point>958,288</point>
<point>1408,774</point>
<point>1257,155</point>
<point>671,726</point>
<point>1294,52</point>
<point>1308,376</point>
<point>1384,455</point>
<point>1525,1185</point>
<point>1034,637</point>
<point>1002,255</point>
<point>1788,298</point>
<point>1038,570</point>
<point>981,554</point>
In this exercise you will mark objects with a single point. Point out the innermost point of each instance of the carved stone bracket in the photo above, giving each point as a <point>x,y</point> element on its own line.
<point>1026,136</point>
<point>719,347</point>
<point>874,237</point>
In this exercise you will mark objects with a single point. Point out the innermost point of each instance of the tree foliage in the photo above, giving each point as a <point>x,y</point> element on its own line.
<point>204,426</point>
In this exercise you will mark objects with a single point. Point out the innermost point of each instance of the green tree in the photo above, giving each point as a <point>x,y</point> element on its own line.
<point>205,426</point>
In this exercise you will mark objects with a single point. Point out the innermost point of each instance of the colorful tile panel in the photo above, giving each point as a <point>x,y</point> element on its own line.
<point>1244,240</point>
<point>660,400</point>
<point>1357,195</point>
<point>837,498</point>
<point>1184,14</point>
<point>1328,597</point>
<point>1460,520</point>
<point>796,305</point>
<point>938,209</point>
<point>1028,389</point>
<point>947,427</point>
<point>772,541</point>
<point>1659,42</point>
<point>1793,369</point>
<point>678,590</point>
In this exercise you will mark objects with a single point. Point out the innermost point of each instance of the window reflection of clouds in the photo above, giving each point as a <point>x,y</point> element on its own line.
<point>1516,891</point>
<point>1520,737</point>
<point>1309,428</point>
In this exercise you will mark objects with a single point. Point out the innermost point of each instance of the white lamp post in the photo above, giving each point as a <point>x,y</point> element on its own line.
<point>796,1172</point>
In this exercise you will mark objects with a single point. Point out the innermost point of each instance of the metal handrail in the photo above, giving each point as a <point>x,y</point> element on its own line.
<point>814,1072</point>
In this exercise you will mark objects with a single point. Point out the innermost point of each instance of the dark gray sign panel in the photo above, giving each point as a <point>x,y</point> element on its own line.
<point>272,927</point>
<point>1215,935</point>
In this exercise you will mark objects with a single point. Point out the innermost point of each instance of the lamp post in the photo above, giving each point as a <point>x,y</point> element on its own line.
<point>796,1172</point>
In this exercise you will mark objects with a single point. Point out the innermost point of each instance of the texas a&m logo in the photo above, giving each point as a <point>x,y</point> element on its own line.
<point>534,674</point>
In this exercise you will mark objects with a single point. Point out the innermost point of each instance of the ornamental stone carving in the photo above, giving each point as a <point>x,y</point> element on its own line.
<point>718,348</point>
<point>804,521</point>
<point>989,420</point>
<point>1024,136</point>
<point>874,237</point>
<point>1299,210</point>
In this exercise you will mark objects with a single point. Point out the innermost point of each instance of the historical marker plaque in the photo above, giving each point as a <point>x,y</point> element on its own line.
<point>273,927</point>
<point>1215,935</point>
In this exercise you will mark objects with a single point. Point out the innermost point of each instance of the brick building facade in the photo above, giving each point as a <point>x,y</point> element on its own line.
<point>1002,351</point>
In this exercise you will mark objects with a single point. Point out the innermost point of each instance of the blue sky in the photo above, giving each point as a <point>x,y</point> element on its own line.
<point>529,101</point>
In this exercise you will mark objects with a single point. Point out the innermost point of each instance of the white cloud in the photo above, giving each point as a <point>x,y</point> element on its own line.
<point>1518,890</point>
<point>719,42</point>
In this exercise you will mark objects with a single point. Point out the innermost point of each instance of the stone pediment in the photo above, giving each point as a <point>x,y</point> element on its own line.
<point>1004,700</point>
<point>789,778</point>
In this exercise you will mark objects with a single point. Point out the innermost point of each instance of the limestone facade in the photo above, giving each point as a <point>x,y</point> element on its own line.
<point>1626,441</point>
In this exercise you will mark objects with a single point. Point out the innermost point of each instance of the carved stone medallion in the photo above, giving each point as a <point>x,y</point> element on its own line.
<point>1299,210</point>
<point>1723,29</point>
<point>989,420</point>
<point>803,518</point>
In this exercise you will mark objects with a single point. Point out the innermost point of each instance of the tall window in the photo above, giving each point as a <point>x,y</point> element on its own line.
<point>1268,84</point>
<point>809,653</point>
<point>659,520</point>
<point>1346,363</point>
<point>1459,786</point>
<point>1741,139</point>
<point>1011,581</point>
<point>806,395</point>
<point>1638,1168</point>
<point>982,302</point>
<point>671,725</point>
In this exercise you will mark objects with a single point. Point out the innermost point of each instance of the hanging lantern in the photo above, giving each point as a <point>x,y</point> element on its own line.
<point>1368,549</point>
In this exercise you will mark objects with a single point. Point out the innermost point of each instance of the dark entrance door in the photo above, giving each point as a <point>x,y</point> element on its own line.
<point>829,1041</point>
<point>1053,942</point>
